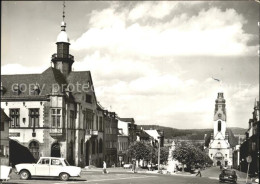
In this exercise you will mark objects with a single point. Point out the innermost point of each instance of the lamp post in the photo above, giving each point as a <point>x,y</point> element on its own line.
<point>159,140</point>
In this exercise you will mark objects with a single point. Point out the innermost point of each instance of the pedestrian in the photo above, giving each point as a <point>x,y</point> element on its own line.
<point>104,167</point>
<point>199,173</point>
<point>149,166</point>
<point>134,165</point>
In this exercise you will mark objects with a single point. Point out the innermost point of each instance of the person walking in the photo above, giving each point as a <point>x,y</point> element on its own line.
<point>199,173</point>
<point>104,167</point>
<point>134,166</point>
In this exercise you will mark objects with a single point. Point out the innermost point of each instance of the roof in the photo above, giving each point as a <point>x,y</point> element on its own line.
<point>4,117</point>
<point>127,120</point>
<point>153,133</point>
<point>84,80</point>
<point>143,135</point>
<point>45,80</point>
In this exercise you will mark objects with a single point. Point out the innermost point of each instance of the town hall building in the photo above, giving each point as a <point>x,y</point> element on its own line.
<point>219,147</point>
<point>54,113</point>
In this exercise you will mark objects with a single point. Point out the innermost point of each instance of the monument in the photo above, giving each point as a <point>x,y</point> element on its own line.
<point>172,163</point>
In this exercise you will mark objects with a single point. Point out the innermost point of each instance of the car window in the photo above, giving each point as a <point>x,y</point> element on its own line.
<point>66,162</point>
<point>45,161</point>
<point>56,162</point>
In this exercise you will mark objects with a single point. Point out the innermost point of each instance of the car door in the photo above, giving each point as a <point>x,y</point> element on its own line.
<point>43,167</point>
<point>56,167</point>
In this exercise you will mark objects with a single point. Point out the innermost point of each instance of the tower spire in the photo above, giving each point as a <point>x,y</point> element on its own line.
<point>63,24</point>
<point>63,13</point>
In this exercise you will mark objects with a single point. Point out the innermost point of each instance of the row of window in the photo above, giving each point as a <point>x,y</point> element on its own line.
<point>56,119</point>
<point>111,144</point>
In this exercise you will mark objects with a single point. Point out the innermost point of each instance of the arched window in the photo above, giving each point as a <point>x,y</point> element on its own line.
<point>34,149</point>
<point>219,126</point>
<point>100,146</point>
<point>55,150</point>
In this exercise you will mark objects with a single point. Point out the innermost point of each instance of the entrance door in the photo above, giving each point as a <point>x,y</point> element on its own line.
<point>55,150</point>
<point>87,153</point>
<point>218,163</point>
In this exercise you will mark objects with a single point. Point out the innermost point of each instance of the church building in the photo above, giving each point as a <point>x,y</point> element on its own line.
<point>219,147</point>
<point>54,113</point>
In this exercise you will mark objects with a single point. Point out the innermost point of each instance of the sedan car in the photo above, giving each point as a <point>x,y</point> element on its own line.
<point>127,166</point>
<point>228,175</point>
<point>48,167</point>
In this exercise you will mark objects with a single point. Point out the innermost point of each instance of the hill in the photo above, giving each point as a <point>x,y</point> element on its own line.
<point>194,134</point>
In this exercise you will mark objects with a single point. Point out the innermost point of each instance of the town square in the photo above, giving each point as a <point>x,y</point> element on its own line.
<point>129,92</point>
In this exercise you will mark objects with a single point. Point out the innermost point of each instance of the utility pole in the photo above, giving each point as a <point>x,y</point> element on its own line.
<point>159,154</point>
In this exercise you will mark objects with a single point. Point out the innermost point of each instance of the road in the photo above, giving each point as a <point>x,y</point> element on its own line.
<point>209,176</point>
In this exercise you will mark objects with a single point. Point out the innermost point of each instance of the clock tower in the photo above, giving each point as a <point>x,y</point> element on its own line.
<point>219,147</point>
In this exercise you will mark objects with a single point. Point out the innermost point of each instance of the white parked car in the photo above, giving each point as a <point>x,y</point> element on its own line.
<point>48,166</point>
<point>127,166</point>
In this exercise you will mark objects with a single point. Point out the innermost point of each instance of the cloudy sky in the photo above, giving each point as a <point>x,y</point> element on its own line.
<point>153,61</point>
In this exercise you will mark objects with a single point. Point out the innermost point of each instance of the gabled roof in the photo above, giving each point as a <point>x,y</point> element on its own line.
<point>153,133</point>
<point>82,78</point>
<point>45,80</point>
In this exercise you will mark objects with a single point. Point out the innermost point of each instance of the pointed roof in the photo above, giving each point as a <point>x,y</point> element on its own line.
<point>44,80</point>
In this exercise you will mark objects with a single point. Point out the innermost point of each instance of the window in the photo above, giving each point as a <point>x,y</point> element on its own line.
<point>88,98</point>
<point>100,146</point>
<point>45,161</point>
<point>35,89</point>
<point>33,117</point>
<point>56,162</point>
<point>72,123</point>
<point>34,149</point>
<point>100,124</point>
<point>93,148</point>
<point>219,126</point>
<point>2,126</point>
<point>15,117</point>
<point>56,118</point>
<point>253,146</point>
<point>82,147</point>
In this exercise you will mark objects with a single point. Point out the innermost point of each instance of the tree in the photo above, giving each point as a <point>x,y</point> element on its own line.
<point>164,153</point>
<point>190,155</point>
<point>140,150</point>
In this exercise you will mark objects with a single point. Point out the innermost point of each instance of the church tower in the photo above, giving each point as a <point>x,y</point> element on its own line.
<point>219,147</point>
<point>220,117</point>
<point>62,60</point>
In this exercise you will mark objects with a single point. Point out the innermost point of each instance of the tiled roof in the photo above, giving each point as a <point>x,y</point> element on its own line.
<point>45,80</point>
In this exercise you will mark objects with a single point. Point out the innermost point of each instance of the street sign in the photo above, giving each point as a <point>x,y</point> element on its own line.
<point>249,159</point>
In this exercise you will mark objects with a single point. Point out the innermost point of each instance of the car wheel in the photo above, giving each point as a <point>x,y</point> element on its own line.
<point>64,177</point>
<point>24,175</point>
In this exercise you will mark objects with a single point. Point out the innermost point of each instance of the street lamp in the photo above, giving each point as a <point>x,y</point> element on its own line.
<point>159,138</point>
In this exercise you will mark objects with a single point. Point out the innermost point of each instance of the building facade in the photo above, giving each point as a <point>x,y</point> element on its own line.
<point>4,135</point>
<point>54,113</point>
<point>219,147</point>
<point>110,137</point>
<point>250,147</point>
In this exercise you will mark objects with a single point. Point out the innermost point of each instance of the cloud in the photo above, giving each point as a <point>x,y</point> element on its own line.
<point>20,69</point>
<point>209,32</point>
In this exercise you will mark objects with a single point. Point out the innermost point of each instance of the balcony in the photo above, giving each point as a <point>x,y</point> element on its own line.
<point>55,57</point>
<point>56,133</point>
